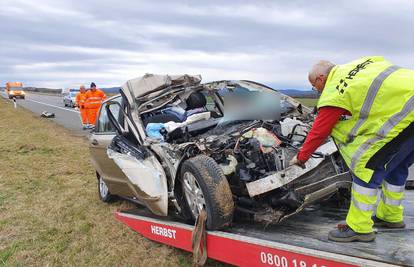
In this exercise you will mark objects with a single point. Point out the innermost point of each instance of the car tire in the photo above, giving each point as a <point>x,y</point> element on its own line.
<point>214,194</point>
<point>103,191</point>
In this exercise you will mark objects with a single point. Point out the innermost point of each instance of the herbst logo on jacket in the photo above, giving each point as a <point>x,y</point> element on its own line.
<point>343,84</point>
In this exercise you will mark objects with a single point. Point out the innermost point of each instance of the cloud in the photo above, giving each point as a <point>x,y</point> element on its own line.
<point>65,43</point>
<point>270,14</point>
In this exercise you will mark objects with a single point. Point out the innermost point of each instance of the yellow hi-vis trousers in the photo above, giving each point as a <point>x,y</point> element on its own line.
<point>391,176</point>
<point>363,203</point>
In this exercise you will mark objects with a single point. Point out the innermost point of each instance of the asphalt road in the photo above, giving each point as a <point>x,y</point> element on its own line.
<point>69,117</point>
<point>65,116</point>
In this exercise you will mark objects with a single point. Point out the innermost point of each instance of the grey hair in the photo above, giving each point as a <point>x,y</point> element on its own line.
<point>323,67</point>
<point>82,86</point>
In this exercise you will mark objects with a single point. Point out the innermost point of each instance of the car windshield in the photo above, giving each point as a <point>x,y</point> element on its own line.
<point>73,94</point>
<point>16,88</point>
<point>229,102</point>
<point>249,101</point>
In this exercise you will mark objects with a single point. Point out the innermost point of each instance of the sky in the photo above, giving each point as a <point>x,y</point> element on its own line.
<point>62,44</point>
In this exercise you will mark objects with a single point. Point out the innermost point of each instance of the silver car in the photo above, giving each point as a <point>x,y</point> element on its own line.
<point>69,98</point>
<point>174,144</point>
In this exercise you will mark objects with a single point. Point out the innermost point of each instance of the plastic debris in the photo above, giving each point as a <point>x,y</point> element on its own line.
<point>46,114</point>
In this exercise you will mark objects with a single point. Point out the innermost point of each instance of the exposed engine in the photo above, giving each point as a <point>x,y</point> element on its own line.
<point>254,151</point>
<point>248,151</point>
<point>249,156</point>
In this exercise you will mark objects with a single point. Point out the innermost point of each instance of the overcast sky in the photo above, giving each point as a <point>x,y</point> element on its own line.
<point>64,43</point>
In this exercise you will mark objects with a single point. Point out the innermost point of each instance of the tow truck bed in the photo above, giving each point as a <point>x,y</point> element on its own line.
<point>300,241</point>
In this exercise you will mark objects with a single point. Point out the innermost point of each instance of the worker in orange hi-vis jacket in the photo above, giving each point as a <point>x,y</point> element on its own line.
<point>94,99</point>
<point>80,103</point>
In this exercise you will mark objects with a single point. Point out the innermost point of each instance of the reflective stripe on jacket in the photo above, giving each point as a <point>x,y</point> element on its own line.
<point>94,99</point>
<point>380,98</point>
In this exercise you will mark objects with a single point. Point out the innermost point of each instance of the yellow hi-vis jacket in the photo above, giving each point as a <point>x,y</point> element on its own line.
<point>380,97</point>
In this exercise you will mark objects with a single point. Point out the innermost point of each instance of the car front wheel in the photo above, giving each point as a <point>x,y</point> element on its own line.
<point>204,186</point>
<point>103,191</point>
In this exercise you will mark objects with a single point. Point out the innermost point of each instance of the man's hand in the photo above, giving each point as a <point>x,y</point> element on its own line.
<point>295,161</point>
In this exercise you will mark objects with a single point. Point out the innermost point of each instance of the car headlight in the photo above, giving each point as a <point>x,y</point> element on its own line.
<point>11,92</point>
<point>23,92</point>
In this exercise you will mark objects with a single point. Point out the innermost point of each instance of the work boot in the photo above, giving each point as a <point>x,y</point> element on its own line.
<point>383,224</point>
<point>409,185</point>
<point>345,234</point>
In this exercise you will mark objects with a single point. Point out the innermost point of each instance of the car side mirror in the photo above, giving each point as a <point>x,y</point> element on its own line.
<point>110,105</point>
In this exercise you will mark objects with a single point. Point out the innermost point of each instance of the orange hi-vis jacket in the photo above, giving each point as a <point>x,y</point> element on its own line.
<point>94,100</point>
<point>81,99</point>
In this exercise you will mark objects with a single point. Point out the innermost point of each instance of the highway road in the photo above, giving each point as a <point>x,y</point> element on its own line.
<point>65,116</point>
<point>69,117</point>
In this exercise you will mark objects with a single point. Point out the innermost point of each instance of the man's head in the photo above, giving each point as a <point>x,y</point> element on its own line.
<point>82,88</point>
<point>319,73</point>
<point>93,86</point>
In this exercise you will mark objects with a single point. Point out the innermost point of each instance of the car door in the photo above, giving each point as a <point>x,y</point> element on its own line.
<point>99,140</point>
<point>146,176</point>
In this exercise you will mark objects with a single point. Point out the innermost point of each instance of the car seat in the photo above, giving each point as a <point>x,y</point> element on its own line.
<point>196,103</point>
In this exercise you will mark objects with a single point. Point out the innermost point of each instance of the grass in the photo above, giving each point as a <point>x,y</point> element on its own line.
<point>309,102</point>
<point>50,213</point>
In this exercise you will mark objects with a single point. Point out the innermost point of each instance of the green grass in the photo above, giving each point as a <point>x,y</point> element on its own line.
<point>309,102</point>
<point>50,213</point>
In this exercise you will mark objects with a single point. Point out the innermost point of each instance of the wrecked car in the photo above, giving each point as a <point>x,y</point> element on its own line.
<point>177,145</point>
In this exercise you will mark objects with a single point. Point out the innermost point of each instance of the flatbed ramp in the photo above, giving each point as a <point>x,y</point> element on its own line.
<point>300,241</point>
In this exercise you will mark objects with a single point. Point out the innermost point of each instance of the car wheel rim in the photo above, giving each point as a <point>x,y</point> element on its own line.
<point>103,189</point>
<point>193,194</point>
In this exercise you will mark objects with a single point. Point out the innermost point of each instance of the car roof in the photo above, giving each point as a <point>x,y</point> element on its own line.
<point>112,98</point>
<point>150,83</point>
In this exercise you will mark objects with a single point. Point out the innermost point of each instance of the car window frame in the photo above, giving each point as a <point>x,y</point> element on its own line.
<point>99,115</point>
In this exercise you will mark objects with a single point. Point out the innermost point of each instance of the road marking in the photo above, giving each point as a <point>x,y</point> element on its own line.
<point>71,110</point>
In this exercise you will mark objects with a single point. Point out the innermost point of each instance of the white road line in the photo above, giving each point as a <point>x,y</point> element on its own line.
<point>71,110</point>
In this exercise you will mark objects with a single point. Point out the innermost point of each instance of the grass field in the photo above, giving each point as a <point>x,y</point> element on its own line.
<point>50,213</point>
<point>310,102</point>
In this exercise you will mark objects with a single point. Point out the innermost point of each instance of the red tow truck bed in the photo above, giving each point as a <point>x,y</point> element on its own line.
<point>300,241</point>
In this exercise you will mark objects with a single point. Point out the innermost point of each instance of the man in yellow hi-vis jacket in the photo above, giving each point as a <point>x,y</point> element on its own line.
<point>375,138</point>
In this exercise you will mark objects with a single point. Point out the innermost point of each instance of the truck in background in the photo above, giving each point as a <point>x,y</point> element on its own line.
<point>15,89</point>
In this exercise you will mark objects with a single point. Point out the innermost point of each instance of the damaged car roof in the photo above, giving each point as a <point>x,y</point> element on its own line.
<point>150,83</point>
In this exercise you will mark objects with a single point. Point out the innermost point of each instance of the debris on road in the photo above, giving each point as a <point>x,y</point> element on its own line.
<point>46,114</point>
